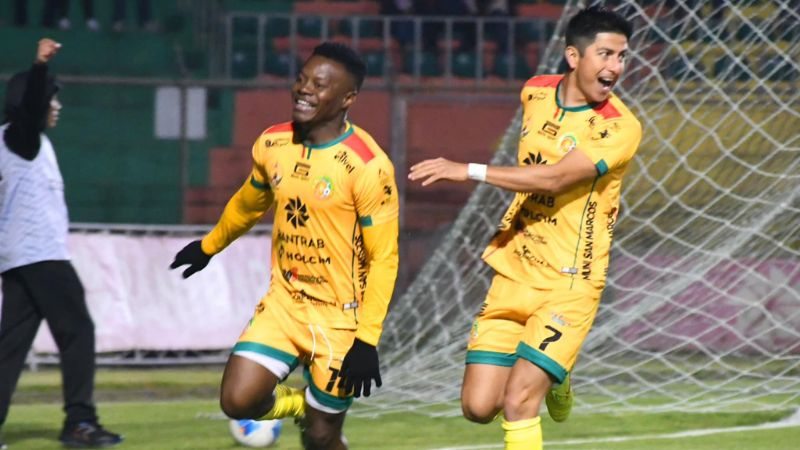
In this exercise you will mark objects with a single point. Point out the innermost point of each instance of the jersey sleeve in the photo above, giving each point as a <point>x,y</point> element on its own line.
<point>243,210</point>
<point>377,208</point>
<point>611,144</point>
<point>376,198</point>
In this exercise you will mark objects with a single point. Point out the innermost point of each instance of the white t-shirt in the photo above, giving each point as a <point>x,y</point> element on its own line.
<point>33,214</point>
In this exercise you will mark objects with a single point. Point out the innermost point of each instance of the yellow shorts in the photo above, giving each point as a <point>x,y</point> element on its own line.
<point>545,327</point>
<point>277,340</point>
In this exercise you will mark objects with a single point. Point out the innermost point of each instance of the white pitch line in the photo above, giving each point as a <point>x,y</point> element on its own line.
<point>791,421</point>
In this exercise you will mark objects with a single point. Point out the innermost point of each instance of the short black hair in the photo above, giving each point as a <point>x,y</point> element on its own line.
<point>584,26</point>
<point>347,57</point>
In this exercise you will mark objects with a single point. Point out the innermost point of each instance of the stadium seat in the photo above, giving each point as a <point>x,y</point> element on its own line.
<point>366,27</point>
<point>309,26</point>
<point>528,31</point>
<point>244,62</point>
<point>428,64</point>
<point>276,27</point>
<point>521,69</point>
<point>244,27</point>
<point>375,63</point>
<point>465,65</point>
<point>279,64</point>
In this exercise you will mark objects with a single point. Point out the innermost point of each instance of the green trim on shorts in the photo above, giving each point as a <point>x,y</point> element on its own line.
<point>326,399</point>
<point>543,361</point>
<point>286,358</point>
<point>491,358</point>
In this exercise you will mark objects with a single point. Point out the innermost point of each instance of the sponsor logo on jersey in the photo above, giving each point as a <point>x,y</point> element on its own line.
<point>536,216</point>
<point>386,180</point>
<point>588,239</point>
<point>276,177</point>
<point>323,188</point>
<point>536,96</point>
<point>611,220</point>
<point>360,253</point>
<point>534,238</point>
<point>294,274</point>
<point>526,255</point>
<point>567,143</point>
<point>302,257</point>
<point>300,241</point>
<point>541,199</point>
<point>301,170</point>
<point>559,319</point>
<point>276,142</point>
<point>296,212</point>
<point>534,159</point>
<point>605,133</point>
<point>549,129</point>
<point>341,157</point>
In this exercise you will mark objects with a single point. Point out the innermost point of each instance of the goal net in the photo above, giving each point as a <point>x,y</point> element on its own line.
<point>702,308</point>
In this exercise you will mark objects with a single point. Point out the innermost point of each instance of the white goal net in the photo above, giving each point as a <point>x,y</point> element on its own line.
<point>702,309</point>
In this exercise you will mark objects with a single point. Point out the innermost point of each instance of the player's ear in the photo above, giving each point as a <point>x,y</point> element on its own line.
<point>572,55</point>
<point>349,98</point>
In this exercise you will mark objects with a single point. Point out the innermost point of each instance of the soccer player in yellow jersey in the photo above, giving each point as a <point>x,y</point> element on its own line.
<point>551,252</point>
<point>334,256</point>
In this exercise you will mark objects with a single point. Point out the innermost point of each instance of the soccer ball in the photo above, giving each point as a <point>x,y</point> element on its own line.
<point>255,433</point>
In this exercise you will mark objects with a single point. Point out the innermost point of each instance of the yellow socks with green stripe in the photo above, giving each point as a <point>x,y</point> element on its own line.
<point>523,434</point>
<point>289,401</point>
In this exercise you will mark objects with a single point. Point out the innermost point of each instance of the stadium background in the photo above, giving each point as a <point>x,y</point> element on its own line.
<point>138,183</point>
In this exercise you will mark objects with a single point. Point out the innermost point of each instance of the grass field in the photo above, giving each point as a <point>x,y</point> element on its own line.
<point>177,409</point>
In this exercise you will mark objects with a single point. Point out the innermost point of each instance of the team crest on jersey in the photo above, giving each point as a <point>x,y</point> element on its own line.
<point>323,188</point>
<point>567,143</point>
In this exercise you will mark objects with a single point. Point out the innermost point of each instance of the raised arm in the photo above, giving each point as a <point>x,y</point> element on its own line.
<point>27,103</point>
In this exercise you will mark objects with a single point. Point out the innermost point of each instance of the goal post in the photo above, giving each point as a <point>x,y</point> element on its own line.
<point>702,307</point>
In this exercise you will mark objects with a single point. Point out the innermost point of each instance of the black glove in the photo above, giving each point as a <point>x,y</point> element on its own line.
<point>359,368</point>
<point>192,255</point>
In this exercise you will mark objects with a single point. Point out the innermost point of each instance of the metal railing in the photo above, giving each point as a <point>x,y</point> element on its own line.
<point>453,49</point>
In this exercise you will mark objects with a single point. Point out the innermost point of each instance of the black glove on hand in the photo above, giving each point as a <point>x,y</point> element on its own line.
<point>192,255</point>
<point>359,368</point>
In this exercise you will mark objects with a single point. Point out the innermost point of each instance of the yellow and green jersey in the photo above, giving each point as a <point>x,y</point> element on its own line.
<point>563,241</point>
<point>327,199</point>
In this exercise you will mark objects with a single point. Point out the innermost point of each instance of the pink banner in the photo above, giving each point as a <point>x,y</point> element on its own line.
<point>743,305</point>
<point>138,303</point>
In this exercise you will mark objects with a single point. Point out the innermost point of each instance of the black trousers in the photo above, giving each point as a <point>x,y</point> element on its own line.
<point>49,290</point>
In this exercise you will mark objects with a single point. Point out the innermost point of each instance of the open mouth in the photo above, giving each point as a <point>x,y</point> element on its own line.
<point>303,105</point>
<point>606,82</point>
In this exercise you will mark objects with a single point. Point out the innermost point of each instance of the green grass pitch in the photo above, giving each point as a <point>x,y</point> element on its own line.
<point>174,409</point>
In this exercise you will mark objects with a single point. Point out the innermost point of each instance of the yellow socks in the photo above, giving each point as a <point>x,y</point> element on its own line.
<point>288,402</point>
<point>523,434</point>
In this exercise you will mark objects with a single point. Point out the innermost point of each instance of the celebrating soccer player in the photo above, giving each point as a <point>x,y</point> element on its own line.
<point>334,256</point>
<point>551,252</point>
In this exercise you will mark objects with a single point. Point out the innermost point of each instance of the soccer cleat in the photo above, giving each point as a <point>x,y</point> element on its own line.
<point>288,402</point>
<point>3,446</point>
<point>88,435</point>
<point>559,401</point>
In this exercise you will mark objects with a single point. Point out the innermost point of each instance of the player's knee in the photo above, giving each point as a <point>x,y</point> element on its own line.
<point>478,412</point>
<point>237,406</point>
<point>521,402</point>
